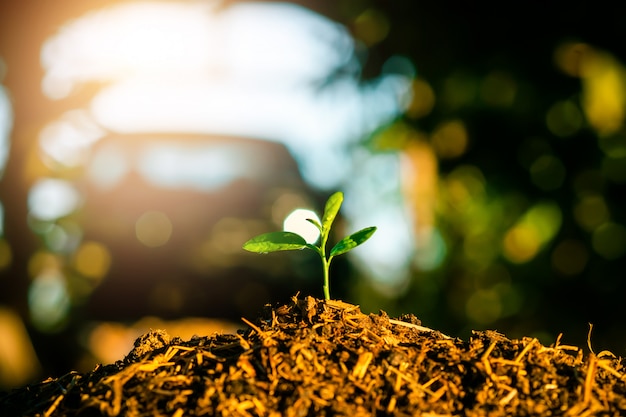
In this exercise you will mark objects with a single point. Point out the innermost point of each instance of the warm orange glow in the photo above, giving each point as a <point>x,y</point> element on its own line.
<point>153,228</point>
<point>43,261</point>
<point>92,260</point>
<point>521,243</point>
<point>532,231</point>
<point>109,341</point>
<point>18,360</point>
<point>450,139</point>
<point>603,94</point>
<point>604,84</point>
<point>420,177</point>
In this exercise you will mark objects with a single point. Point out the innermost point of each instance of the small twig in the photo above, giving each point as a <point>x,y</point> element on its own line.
<point>589,379</point>
<point>418,327</point>
<point>54,405</point>
<point>525,350</point>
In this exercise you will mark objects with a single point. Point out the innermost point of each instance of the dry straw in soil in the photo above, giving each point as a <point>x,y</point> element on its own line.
<point>326,358</point>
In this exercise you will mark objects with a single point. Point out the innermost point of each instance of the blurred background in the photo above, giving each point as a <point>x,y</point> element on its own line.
<point>141,143</point>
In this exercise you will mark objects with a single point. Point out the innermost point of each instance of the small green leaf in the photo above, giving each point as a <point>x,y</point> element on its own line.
<point>350,242</point>
<point>330,210</point>
<point>315,223</point>
<point>275,241</point>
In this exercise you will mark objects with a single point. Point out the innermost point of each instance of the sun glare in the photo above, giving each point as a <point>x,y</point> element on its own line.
<point>297,222</point>
<point>170,85</point>
<point>251,70</point>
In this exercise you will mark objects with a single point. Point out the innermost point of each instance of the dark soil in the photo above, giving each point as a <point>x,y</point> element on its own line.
<point>326,358</point>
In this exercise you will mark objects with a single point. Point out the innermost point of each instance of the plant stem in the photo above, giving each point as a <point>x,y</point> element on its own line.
<point>325,263</point>
<point>326,287</point>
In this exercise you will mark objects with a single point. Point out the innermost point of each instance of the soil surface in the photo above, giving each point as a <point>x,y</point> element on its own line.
<point>326,358</point>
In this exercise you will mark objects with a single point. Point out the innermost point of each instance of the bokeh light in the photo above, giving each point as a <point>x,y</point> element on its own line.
<point>92,260</point>
<point>296,222</point>
<point>157,137</point>
<point>371,27</point>
<point>67,140</point>
<point>532,231</point>
<point>564,118</point>
<point>450,139</point>
<point>48,300</point>
<point>604,90</point>
<point>18,359</point>
<point>153,228</point>
<point>423,99</point>
<point>609,240</point>
<point>50,199</point>
<point>603,84</point>
<point>591,212</point>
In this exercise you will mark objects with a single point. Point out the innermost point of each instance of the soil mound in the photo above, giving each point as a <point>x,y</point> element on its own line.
<point>326,358</point>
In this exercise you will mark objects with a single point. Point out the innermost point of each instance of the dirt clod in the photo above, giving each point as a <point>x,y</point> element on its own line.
<point>326,358</point>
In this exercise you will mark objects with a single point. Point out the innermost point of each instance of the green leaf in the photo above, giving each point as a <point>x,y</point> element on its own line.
<point>350,242</point>
<point>330,210</point>
<point>315,223</point>
<point>274,242</point>
<point>313,248</point>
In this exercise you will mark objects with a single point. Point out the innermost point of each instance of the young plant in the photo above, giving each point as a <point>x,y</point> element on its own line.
<point>280,241</point>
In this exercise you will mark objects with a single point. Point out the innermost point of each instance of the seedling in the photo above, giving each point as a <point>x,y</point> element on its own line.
<point>281,241</point>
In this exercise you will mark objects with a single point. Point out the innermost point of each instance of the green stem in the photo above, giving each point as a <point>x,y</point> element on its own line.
<point>325,264</point>
<point>326,287</point>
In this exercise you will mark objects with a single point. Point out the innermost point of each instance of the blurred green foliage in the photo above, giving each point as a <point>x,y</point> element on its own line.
<point>516,151</point>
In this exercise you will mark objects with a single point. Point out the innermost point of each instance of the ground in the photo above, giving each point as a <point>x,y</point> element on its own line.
<point>326,358</point>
